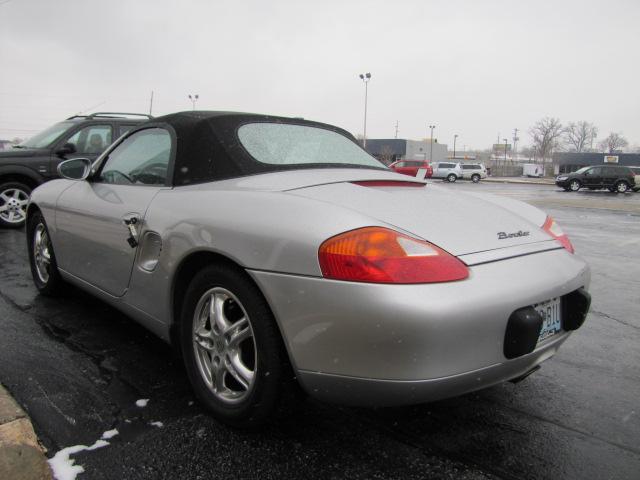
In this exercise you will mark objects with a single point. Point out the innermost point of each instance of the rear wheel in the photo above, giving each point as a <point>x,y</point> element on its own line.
<point>574,185</point>
<point>14,197</point>
<point>621,187</point>
<point>475,178</point>
<point>42,259</point>
<point>231,347</point>
<point>451,178</point>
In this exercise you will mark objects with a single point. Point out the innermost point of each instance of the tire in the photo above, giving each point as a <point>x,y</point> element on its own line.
<point>42,259</point>
<point>621,187</point>
<point>14,197</point>
<point>451,177</point>
<point>574,185</point>
<point>242,383</point>
<point>475,178</point>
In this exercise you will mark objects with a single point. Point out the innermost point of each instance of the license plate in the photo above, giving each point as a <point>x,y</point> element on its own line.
<point>551,321</point>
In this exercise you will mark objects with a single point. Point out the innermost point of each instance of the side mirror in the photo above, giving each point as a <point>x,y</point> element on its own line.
<point>75,169</point>
<point>66,149</point>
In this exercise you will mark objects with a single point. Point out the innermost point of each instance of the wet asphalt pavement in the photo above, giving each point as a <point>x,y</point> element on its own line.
<point>77,366</point>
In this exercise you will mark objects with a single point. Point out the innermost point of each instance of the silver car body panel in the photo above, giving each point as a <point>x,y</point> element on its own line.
<point>273,224</point>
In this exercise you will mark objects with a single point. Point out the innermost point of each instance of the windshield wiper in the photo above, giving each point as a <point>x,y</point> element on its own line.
<point>18,146</point>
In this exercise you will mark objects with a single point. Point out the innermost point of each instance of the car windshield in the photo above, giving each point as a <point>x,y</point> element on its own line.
<point>285,144</point>
<point>46,137</point>
<point>582,170</point>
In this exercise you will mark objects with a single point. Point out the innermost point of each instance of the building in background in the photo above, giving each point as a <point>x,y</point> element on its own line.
<point>5,144</point>
<point>389,150</point>
<point>570,162</point>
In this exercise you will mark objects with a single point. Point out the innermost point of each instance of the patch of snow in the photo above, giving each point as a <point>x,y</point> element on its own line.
<point>142,402</point>
<point>157,424</point>
<point>63,467</point>
<point>110,433</point>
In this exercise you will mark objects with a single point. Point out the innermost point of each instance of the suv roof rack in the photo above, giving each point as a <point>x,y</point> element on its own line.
<point>110,115</point>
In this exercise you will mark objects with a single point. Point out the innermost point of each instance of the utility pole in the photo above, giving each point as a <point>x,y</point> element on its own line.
<point>455,137</point>
<point>151,103</point>
<point>396,128</point>
<point>365,77</point>
<point>505,151</point>
<point>432,127</point>
<point>515,143</point>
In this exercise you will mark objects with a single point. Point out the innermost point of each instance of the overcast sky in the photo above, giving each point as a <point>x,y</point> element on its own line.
<point>472,68</point>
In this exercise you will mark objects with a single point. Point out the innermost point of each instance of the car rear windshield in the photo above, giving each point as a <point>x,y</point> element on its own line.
<point>286,144</point>
<point>47,137</point>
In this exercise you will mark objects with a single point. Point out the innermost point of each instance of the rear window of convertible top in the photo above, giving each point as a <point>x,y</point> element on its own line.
<point>286,144</point>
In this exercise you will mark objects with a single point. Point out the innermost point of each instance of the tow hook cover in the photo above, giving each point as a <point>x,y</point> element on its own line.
<point>523,329</point>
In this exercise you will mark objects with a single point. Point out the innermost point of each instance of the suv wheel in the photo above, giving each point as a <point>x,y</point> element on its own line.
<point>574,185</point>
<point>14,197</point>
<point>475,178</point>
<point>622,187</point>
<point>451,177</point>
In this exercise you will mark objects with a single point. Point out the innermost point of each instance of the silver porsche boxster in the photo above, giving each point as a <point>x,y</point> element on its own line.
<point>275,253</point>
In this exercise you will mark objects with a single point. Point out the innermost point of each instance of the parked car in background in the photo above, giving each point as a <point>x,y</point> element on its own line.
<point>616,178</point>
<point>411,167</point>
<point>449,171</point>
<point>276,251</point>
<point>35,160</point>
<point>474,172</point>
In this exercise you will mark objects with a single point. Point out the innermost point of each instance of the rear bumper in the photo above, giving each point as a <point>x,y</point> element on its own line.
<point>380,393</point>
<point>412,343</point>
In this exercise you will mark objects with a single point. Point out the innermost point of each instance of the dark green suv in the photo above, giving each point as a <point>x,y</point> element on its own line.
<point>36,160</point>
<point>616,178</point>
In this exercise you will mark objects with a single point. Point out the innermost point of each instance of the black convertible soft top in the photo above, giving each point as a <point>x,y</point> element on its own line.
<point>208,148</point>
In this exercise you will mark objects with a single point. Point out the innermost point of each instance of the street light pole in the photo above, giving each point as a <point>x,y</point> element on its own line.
<point>455,137</point>
<point>431,143</point>
<point>365,78</point>
<point>194,99</point>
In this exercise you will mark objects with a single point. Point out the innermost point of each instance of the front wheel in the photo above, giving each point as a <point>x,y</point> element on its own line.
<point>574,185</point>
<point>451,178</point>
<point>42,259</point>
<point>475,178</point>
<point>231,347</point>
<point>14,197</point>
<point>622,187</point>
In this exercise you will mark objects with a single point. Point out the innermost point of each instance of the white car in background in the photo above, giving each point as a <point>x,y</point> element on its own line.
<point>474,172</point>
<point>449,171</point>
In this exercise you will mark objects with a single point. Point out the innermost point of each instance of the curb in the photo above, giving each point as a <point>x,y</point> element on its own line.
<point>21,456</point>
<point>518,180</point>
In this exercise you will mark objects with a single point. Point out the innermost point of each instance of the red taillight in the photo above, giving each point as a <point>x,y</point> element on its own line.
<point>552,228</point>
<point>380,255</point>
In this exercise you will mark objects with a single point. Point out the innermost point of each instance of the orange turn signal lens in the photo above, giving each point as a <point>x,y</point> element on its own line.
<point>381,255</point>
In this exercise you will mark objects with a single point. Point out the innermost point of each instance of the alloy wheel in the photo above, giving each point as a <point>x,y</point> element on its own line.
<point>42,252</point>
<point>574,186</point>
<point>224,345</point>
<point>622,187</point>
<point>13,205</point>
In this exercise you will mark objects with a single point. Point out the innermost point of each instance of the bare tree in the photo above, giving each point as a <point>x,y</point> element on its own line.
<point>547,136</point>
<point>580,135</point>
<point>613,143</point>
<point>386,155</point>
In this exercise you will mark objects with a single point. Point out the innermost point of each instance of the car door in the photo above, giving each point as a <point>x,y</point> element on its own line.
<point>593,177</point>
<point>89,142</point>
<point>98,222</point>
